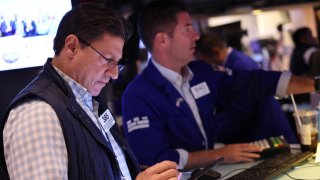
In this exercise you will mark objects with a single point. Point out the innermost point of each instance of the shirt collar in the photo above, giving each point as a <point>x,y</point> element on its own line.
<point>174,77</point>
<point>78,90</point>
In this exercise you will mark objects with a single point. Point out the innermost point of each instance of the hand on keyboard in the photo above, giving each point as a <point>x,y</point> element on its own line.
<point>244,152</point>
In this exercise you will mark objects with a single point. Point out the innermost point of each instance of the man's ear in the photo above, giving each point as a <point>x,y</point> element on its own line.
<point>161,39</point>
<point>215,51</point>
<point>71,44</point>
<point>219,55</point>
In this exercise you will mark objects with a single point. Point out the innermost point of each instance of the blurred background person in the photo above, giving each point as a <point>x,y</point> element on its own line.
<point>305,44</point>
<point>243,120</point>
<point>133,57</point>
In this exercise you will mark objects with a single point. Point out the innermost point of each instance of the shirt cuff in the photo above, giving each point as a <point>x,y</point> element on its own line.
<point>283,84</point>
<point>184,155</point>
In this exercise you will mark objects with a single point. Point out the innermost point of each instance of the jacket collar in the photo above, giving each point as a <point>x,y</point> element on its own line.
<point>152,74</point>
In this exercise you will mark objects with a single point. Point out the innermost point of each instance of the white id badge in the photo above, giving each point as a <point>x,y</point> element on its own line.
<point>200,90</point>
<point>106,120</point>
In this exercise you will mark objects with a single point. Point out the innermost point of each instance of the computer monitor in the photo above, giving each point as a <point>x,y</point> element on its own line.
<point>27,30</point>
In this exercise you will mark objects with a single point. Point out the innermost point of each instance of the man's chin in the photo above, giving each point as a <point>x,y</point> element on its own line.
<point>193,57</point>
<point>95,92</point>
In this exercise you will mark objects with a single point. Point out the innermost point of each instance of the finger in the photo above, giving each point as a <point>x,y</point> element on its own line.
<point>244,159</point>
<point>174,178</point>
<point>250,148</point>
<point>170,173</point>
<point>250,155</point>
<point>248,145</point>
<point>161,167</point>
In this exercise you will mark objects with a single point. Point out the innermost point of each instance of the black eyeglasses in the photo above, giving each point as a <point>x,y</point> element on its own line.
<point>110,63</point>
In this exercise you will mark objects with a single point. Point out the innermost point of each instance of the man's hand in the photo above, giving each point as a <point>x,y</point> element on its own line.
<point>163,170</point>
<point>239,152</point>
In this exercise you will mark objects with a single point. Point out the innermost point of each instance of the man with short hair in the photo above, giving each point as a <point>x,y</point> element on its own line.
<point>248,119</point>
<point>169,110</point>
<point>57,127</point>
<point>305,45</point>
<point>303,61</point>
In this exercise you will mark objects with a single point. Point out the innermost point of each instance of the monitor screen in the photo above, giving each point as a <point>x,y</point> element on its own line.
<point>28,28</point>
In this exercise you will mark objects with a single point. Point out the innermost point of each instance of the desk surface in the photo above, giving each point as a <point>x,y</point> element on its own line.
<point>307,170</point>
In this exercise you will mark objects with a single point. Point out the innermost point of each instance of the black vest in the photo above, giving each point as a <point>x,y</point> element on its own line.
<point>89,154</point>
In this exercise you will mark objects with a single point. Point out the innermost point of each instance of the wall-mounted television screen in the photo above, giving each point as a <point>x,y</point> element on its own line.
<point>27,30</point>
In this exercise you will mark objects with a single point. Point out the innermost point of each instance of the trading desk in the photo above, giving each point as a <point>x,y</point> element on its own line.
<point>307,170</point>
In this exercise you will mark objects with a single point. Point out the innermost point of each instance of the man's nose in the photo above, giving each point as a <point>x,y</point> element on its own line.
<point>196,35</point>
<point>113,72</point>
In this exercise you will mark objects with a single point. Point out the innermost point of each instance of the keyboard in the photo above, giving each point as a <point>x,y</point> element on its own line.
<point>273,166</point>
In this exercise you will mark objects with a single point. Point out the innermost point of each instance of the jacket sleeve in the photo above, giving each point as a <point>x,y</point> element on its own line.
<point>145,129</point>
<point>246,84</point>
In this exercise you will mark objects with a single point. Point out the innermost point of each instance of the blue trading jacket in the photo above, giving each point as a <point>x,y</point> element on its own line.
<point>256,118</point>
<point>157,120</point>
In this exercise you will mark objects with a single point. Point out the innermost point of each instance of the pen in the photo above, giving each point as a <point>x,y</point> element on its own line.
<point>144,167</point>
<point>200,171</point>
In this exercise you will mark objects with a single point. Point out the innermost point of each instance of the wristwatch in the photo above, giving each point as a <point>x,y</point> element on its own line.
<point>317,84</point>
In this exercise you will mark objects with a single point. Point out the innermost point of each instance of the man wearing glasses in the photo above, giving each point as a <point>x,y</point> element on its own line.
<point>57,128</point>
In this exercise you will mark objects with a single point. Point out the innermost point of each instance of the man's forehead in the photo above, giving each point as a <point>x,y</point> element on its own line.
<point>184,18</point>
